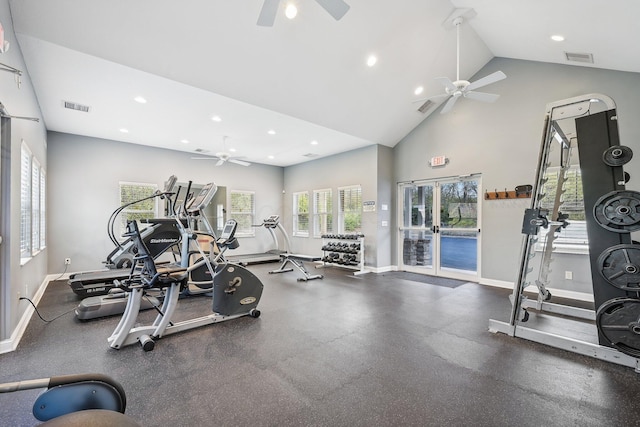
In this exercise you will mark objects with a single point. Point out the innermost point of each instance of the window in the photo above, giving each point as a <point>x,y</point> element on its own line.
<point>130,192</point>
<point>301,214</point>
<point>32,205</point>
<point>350,209</point>
<point>574,236</point>
<point>243,211</point>
<point>322,212</point>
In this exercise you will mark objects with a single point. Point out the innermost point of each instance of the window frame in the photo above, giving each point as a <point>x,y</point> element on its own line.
<point>342,212</point>
<point>299,214</point>
<point>322,218</point>
<point>131,211</point>
<point>33,214</point>
<point>245,227</point>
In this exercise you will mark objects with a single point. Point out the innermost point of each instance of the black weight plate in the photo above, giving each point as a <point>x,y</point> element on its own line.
<point>617,321</point>
<point>620,266</point>
<point>617,155</point>
<point>618,211</point>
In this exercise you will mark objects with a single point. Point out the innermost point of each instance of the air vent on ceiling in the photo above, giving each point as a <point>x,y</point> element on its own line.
<point>579,57</point>
<point>75,106</point>
<point>310,155</point>
<point>426,106</point>
<point>201,150</point>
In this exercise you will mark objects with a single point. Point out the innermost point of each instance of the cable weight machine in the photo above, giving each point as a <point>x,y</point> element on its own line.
<point>612,212</point>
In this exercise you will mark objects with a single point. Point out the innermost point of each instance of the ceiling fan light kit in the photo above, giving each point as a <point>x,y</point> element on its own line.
<point>223,156</point>
<point>463,88</point>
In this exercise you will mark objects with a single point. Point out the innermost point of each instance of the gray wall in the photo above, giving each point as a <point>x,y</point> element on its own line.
<point>84,181</point>
<point>501,141</point>
<point>350,168</point>
<point>18,280</point>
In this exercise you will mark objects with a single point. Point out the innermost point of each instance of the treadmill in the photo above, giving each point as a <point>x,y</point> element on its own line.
<point>271,224</point>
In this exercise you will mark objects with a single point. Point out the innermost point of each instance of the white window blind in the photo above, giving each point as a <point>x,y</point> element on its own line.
<point>25,202</point>
<point>322,212</point>
<point>146,209</point>
<point>350,209</point>
<point>243,211</point>
<point>301,214</point>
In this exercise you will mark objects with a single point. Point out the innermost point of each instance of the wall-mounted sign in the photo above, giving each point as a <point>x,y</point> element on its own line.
<point>369,206</point>
<point>438,161</point>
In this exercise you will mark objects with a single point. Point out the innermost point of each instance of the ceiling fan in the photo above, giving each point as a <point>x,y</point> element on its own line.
<point>223,156</point>
<point>463,88</point>
<point>336,8</point>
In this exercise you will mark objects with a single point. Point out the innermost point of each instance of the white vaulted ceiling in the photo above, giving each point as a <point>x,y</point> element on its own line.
<point>306,78</point>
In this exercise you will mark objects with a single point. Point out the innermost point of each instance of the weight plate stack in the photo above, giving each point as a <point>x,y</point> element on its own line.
<point>618,322</point>
<point>617,155</point>
<point>618,211</point>
<point>620,266</point>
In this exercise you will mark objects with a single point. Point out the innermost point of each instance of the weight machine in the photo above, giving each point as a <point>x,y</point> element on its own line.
<point>589,123</point>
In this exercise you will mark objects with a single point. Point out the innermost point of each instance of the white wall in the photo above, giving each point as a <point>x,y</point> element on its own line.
<point>84,176</point>
<point>502,140</point>
<point>19,101</point>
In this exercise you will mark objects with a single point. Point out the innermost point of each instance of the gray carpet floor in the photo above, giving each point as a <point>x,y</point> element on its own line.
<point>343,351</point>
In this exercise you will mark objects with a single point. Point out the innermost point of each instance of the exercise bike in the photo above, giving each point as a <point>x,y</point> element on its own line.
<point>236,293</point>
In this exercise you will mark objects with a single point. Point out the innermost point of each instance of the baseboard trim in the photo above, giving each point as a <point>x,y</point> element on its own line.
<point>11,343</point>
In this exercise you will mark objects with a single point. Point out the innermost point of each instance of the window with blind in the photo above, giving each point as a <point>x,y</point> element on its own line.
<point>575,234</point>
<point>322,212</point>
<point>146,209</point>
<point>243,211</point>
<point>350,209</point>
<point>32,205</point>
<point>301,214</point>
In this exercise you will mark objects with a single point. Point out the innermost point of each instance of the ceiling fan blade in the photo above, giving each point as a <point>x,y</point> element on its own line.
<point>268,13</point>
<point>336,8</point>
<point>220,162</point>
<point>449,105</point>
<point>240,162</point>
<point>491,78</point>
<point>446,82</point>
<point>481,96</point>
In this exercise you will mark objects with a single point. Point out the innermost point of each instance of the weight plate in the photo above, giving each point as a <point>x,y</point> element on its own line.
<point>618,211</point>
<point>617,155</point>
<point>620,266</point>
<point>618,322</point>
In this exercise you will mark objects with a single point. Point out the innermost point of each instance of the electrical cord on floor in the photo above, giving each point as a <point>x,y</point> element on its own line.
<point>63,273</point>
<point>38,313</point>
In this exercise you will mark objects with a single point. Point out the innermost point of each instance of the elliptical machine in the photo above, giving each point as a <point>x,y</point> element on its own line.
<point>161,235</point>
<point>196,232</point>
<point>236,293</point>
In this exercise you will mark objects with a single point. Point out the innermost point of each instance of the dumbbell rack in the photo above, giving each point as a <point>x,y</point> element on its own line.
<point>343,250</point>
<point>611,213</point>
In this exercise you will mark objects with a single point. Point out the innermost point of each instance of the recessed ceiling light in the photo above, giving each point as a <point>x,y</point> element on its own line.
<point>314,142</point>
<point>140,100</point>
<point>271,132</point>
<point>271,157</point>
<point>233,150</point>
<point>557,38</point>
<point>371,60</point>
<point>291,11</point>
<point>184,141</point>
<point>123,130</point>
<point>216,119</point>
<point>418,90</point>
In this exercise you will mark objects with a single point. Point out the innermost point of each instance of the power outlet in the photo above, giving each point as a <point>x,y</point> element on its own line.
<point>67,261</point>
<point>568,275</point>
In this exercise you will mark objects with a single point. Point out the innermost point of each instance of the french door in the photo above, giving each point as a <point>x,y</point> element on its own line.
<point>439,232</point>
